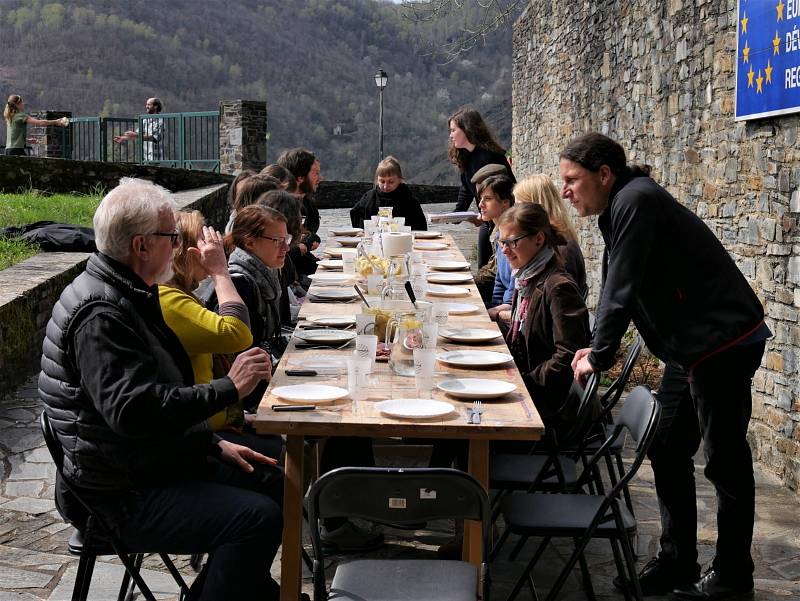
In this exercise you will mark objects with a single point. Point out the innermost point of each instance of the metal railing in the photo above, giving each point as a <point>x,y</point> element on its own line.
<point>182,140</point>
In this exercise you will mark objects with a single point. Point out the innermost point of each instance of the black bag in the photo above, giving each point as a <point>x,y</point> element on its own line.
<point>54,237</point>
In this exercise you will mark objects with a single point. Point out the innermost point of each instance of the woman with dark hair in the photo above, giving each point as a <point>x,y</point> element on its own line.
<point>247,191</point>
<point>260,241</point>
<point>17,125</point>
<point>473,146</point>
<point>208,336</point>
<point>287,205</point>
<point>496,197</point>
<point>283,175</point>
<point>549,321</point>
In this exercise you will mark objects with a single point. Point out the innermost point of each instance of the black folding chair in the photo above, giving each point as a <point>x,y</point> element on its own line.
<point>400,496</point>
<point>96,539</point>
<point>586,516</point>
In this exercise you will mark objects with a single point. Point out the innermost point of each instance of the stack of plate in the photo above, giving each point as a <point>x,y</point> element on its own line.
<point>309,393</point>
<point>448,277</point>
<point>476,388</point>
<point>346,231</point>
<point>420,235</point>
<point>333,321</point>
<point>430,246</point>
<point>467,358</point>
<point>448,265</point>
<point>440,290</point>
<point>332,294</point>
<point>325,336</point>
<point>469,334</point>
<point>332,279</point>
<point>348,241</point>
<point>331,264</point>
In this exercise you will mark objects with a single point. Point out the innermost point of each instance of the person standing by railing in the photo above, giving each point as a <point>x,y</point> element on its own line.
<point>17,122</point>
<point>152,133</point>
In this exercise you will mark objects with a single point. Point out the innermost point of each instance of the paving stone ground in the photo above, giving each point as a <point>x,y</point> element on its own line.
<point>35,565</point>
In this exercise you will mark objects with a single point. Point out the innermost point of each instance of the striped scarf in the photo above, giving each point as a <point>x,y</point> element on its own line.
<point>524,286</point>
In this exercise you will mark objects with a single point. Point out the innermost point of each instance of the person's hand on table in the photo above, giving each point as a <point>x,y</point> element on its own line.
<point>248,369</point>
<point>581,366</point>
<point>303,248</point>
<point>243,456</point>
<point>212,252</point>
<point>476,221</point>
<point>504,316</point>
<point>494,312</point>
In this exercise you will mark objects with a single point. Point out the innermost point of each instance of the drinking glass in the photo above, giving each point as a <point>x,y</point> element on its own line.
<point>424,367</point>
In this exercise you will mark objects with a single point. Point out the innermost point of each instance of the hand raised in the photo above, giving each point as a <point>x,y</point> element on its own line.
<point>212,252</point>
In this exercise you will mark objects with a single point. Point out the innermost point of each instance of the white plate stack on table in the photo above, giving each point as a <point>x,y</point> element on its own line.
<point>309,393</point>
<point>334,251</point>
<point>348,241</point>
<point>443,290</point>
<point>448,265</point>
<point>348,231</point>
<point>430,246</point>
<point>449,277</point>
<point>327,336</point>
<point>333,321</point>
<point>469,358</point>
<point>426,235</point>
<point>470,335</point>
<point>332,279</point>
<point>476,388</point>
<point>331,295</point>
<point>331,264</point>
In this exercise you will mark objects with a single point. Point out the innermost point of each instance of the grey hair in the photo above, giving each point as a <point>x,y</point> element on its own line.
<point>132,208</point>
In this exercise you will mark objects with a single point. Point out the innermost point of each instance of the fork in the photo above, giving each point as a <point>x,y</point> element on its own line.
<point>477,409</point>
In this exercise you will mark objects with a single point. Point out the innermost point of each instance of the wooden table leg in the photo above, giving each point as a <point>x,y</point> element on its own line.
<point>479,468</point>
<point>292,520</point>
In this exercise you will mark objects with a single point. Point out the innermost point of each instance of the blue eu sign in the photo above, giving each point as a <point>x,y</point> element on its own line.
<point>767,58</point>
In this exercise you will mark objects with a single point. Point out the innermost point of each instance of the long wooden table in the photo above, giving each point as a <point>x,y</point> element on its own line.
<point>512,417</point>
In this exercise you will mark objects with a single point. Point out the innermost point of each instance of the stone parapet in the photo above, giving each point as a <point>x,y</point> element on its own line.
<point>52,141</point>
<point>659,78</point>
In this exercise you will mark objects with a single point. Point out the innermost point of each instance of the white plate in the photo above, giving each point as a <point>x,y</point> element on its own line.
<point>309,393</point>
<point>440,290</point>
<point>448,265</point>
<point>461,308</point>
<point>422,235</point>
<point>469,334</point>
<point>476,388</point>
<point>333,321</point>
<point>430,245</point>
<point>414,408</point>
<point>325,336</point>
<point>322,364</point>
<point>333,294</point>
<point>334,251</point>
<point>331,264</point>
<point>445,277</point>
<point>348,231</point>
<point>348,241</point>
<point>467,358</point>
<point>332,279</point>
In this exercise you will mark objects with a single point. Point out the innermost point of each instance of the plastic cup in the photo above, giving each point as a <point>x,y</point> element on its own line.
<point>430,334</point>
<point>439,313</point>
<point>349,261</point>
<point>424,368</point>
<point>375,284</point>
<point>399,220</point>
<point>365,323</point>
<point>357,377</point>
<point>366,347</point>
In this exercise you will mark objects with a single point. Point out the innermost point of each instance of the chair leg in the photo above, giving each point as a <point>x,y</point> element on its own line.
<point>133,569</point>
<point>83,577</point>
<point>527,571</point>
<point>586,576</point>
<point>518,547</point>
<point>176,575</point>
<point>499,544</point>
<point>628,553</point>
<point>622,569</point>
<point>124,594</point>
<point>580,545</point>
<point>307,560</point>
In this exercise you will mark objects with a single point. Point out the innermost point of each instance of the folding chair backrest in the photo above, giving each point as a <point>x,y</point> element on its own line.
<point>615,390</point>
<point>588,408</point>
<point>397,495</point>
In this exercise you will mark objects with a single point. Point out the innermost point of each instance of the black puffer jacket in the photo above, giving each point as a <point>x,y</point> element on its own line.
<point>116,385</point>
<point>664,269</point>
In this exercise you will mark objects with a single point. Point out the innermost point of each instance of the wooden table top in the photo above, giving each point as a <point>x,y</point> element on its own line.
<point>512,416</point>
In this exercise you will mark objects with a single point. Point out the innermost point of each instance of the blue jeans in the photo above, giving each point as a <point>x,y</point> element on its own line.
<point>714,403</point>
<point>233,516</point>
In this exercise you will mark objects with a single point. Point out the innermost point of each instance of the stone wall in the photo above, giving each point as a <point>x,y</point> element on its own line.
<point>242,135</point>
<point>84,177</point>
<point>659,77</point>
<point>51,140</point>
<point>28,291</point>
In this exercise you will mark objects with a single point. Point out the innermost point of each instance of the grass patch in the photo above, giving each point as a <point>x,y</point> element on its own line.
<point>29,207</point>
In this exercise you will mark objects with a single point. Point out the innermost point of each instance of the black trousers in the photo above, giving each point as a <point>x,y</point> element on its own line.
<point>234,516</point>
<point>15,152</point>
<point>485,243</point>
<point>712,403</point>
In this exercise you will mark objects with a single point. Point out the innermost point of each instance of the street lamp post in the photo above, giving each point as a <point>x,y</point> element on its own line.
<point>381,79</point>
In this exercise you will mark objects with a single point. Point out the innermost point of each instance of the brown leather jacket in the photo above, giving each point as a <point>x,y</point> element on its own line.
<point>556,325</point>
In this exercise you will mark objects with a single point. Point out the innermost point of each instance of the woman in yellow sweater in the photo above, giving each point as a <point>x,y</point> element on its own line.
<point>205,334</point>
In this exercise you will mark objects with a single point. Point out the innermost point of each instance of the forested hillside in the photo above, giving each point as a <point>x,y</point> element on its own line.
<point>313,61</point>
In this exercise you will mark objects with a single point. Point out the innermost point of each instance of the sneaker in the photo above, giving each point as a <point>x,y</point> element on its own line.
<point>349,538</point>
<point>661,576</point>
<point>712,587</point>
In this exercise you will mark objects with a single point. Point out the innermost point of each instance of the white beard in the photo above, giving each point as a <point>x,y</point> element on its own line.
<point>166,275</point>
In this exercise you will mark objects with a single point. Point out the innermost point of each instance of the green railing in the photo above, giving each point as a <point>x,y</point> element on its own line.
<point>182,140</point>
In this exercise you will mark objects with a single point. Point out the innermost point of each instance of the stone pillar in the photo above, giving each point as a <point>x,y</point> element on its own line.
<point>52,141</point>
<point>242,135</point>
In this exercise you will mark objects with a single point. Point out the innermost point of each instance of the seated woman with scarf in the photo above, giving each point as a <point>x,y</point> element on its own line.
<point>549,319</point>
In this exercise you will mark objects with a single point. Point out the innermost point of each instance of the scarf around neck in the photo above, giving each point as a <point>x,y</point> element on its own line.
<point>265,282</point>
<point>525,277</point>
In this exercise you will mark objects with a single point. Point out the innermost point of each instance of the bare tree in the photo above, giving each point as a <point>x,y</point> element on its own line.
<point>479,18</point>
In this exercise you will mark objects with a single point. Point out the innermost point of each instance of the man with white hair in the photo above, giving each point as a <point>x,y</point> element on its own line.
<point>117,387</point>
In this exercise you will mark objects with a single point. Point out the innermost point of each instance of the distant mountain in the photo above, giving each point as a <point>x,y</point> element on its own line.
<point>312,60</point>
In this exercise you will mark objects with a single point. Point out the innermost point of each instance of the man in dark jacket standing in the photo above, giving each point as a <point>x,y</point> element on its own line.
<point>665,270</point>
<point>117,387</point>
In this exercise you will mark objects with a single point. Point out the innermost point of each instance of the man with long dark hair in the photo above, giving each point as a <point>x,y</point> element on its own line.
<point>305,167</point>
<point>665,270</point>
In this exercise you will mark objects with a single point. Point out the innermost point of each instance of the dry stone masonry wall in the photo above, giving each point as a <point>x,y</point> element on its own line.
<point>659,78</point>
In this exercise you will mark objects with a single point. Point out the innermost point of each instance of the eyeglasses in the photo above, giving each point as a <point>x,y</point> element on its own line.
<point>173,237</point>
<point>512,242</point>
<point>278,241</point>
